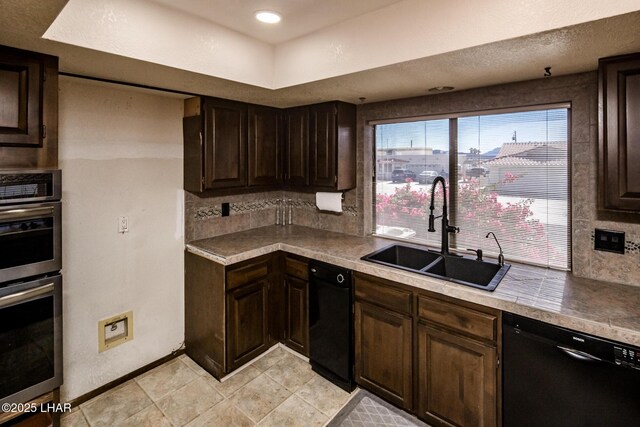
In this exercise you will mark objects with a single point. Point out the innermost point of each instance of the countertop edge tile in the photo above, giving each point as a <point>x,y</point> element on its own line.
<point>576,303</point>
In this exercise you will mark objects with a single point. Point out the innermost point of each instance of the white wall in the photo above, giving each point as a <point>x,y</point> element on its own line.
<point>120,154</point>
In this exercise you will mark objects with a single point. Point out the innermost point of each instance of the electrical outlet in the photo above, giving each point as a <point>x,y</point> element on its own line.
<point>609,241</point>
<point>123,224</point>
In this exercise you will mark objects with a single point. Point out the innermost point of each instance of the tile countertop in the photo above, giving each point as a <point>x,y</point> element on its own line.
<point>599,308</point>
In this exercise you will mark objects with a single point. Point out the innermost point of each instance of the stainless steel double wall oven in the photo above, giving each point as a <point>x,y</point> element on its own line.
<point>30,284</point>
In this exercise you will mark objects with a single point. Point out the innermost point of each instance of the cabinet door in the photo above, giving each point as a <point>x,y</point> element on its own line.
<point>457,379</point>
<point>297,315</point>
<point>225,144</point>
<point>247,323</point>
<point>296,141</point>
<point>620,133</point>
<point>264,146</point>
<point>322,144</point>
<point>20,100</point>
<point>383,353</point>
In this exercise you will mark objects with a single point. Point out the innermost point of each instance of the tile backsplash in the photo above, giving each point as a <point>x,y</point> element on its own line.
<point>203,215</point>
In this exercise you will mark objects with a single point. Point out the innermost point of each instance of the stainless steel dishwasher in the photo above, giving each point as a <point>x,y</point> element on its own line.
<point>558,377</point>
<point>331,323</point>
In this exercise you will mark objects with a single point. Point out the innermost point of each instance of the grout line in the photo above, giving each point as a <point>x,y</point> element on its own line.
<point>249,363</point>
<point>135,380</point>
<point>274,409</point>
<point>353,395</point>
<point>247,415</point>
<point>83,416</point>
<point>295,353</point>
<point>154,403</point>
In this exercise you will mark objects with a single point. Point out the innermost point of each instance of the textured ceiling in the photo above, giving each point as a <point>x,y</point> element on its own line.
<point>299,17</point>
<point>567,50</point>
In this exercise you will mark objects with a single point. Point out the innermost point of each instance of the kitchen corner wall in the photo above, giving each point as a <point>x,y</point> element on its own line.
<point>120,155</point>
<point>203,215</point>
<point>581,90</point>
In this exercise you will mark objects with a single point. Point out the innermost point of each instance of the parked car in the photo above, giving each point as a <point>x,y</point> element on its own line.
<point>427,177</point>
<point>477,172</point>
<point>401,175</point>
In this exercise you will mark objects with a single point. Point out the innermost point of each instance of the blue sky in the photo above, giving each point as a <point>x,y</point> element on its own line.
<point>484,132</point>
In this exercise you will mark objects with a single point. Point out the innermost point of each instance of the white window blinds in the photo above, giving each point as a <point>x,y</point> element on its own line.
<point>510,177</point>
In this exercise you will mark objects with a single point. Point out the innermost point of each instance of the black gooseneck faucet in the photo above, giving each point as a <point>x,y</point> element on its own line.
<point>446,228</point>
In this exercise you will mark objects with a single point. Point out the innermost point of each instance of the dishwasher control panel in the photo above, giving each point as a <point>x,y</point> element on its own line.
<point>627,357</point>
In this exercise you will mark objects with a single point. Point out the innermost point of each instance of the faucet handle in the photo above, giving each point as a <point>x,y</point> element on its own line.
<point>478,253</point>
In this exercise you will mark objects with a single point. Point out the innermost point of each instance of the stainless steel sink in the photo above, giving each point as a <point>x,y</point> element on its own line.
<point>465,271</point>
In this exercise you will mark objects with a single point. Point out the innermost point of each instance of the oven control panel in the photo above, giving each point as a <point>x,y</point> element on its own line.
<point>627,357</point>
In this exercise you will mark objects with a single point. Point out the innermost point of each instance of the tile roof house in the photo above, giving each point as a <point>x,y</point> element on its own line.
<point>541,163</point>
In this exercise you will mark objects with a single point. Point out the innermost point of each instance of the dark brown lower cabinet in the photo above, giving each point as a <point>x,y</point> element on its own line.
<point>429,354</point>
<point>247,322</point>
<point>432,355</point>
<point>383,352</point>
<point>296,315</point>
<point>232,313</point>
<point>296,303</point>
<point>456,379</point>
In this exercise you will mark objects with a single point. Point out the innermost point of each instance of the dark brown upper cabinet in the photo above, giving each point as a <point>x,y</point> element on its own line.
<point>332,145</point>
<point>619,127</point>
<point>235,147</point>
<point>215,144</point>
<point>28,109</point>
<point>296,146</point>
<point>264,146</point>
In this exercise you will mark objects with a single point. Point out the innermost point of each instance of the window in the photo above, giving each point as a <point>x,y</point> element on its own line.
<point>511,177</point>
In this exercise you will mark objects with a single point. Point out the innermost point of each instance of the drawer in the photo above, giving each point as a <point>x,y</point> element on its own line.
<point>378,292</point>
<point>457,318</point>
<point>297,268</point>
<point>248,273</point>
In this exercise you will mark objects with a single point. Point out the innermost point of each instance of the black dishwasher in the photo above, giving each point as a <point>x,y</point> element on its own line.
<point>558,377</point>
<point>331,323</point>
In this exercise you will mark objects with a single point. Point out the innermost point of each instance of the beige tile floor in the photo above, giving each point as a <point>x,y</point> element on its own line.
<point>277,389</point>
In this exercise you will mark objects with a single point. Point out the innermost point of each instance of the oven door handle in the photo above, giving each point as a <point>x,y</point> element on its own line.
<point>25,295</point>
<point>26,213</point>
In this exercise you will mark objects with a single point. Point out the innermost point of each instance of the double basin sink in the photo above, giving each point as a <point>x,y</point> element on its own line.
<point>465,271</point>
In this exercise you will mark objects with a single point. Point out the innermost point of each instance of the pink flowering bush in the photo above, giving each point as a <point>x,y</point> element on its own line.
<point>478,212</point>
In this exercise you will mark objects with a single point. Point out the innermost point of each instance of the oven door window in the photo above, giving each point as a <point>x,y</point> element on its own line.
<point>26,344</point>
<point>27,241</point>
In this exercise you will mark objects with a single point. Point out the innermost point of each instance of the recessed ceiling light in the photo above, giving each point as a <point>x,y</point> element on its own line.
<point>267,16</point>
<point>441,89</point>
